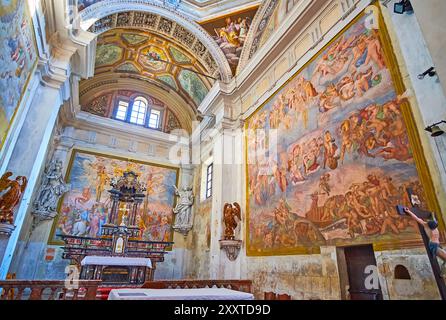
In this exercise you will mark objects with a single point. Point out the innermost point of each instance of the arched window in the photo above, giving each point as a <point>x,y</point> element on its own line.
<point>139,111</point>
<point>401,272</point>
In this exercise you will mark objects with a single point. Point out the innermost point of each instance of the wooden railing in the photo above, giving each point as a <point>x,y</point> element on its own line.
<point>238,285</point>
<point>48,290</point>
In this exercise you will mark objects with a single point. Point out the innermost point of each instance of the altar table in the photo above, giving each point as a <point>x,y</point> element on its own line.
<point>116,261</point>
<point>118,271</point>
<point>179,294</point>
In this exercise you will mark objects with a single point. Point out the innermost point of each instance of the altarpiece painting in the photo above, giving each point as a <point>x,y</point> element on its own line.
<point>83,209</point>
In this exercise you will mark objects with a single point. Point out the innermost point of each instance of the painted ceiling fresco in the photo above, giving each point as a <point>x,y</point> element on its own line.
<point>129,52</point>
<point>230,33</point>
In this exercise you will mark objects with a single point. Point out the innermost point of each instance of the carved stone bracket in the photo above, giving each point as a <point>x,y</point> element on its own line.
<point>6,229</point>
<point>232,248</point>
<point>183,229</point>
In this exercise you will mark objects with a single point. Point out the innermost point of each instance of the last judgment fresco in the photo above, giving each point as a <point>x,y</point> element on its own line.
<point>328,155</point>
<point>85,207</point>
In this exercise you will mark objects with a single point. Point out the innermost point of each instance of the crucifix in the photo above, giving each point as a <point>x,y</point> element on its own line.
<point>425,215</point>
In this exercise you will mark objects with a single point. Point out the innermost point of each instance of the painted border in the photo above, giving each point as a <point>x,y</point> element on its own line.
<point>74,152</point>
<point>423,170</point>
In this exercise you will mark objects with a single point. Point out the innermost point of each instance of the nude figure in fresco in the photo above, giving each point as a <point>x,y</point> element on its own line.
<point>363,82</point>
<point>374,50</point>
<point>347,142</point>
<point>102,179</point>
<point>279,172</point>
<point>330,151</point>
<point>85,196</point>
<point>329,99</point>
<point>346,88</point>
<point>296,165</point>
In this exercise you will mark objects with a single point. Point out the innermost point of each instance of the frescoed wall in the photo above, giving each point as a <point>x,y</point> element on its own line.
<point>328,155</point>
<point>85,207</point>
<point>17,58</point>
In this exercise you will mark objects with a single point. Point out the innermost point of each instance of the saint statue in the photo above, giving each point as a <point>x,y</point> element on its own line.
<point>52,188</point>
<point>183,209</point>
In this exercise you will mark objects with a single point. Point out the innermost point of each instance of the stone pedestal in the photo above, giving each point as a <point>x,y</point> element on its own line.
<point>231,247</point>
<point>6,229</point>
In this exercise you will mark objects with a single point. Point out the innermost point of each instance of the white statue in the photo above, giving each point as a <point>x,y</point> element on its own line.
<point>52,188</point>
<point>183,209</point>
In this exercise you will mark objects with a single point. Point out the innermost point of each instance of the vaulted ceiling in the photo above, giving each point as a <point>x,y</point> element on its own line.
<point>136,54</point>
<point>166,54</point>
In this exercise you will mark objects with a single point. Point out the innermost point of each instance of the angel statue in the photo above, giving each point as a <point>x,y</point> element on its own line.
<point>11,192</point>
<point>230,212</point>
<point>52,188</point>
<point>183,209</point>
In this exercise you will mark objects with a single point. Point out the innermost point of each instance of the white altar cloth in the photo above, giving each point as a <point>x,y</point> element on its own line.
<point>116,261</point>
<point>179,294</point>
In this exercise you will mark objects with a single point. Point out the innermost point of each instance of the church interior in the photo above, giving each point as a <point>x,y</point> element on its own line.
<point>222,149</point>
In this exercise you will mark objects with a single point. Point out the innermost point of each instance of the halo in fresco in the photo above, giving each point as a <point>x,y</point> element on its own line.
<point>18,56</point>
<point>83,210</point>
<point>343,158</point>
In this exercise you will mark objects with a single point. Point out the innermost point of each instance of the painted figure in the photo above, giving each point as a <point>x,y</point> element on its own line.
<point>11,192</point>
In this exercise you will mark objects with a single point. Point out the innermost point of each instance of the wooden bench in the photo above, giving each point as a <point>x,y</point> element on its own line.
<point>48,290</point>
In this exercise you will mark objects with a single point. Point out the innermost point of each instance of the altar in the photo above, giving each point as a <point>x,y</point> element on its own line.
<point>119,257</point>
<point>117,270</point>
<point>179,294</point>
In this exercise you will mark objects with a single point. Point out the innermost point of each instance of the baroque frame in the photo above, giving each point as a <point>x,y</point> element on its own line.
<point>74,152</point>
<point>424,172</point>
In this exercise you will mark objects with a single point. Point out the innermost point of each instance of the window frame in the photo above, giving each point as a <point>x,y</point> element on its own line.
<point>130,111</point>
<point>209,181</point>
<point>141,101</point>
<point>118,104</point>
<point>160,118</point>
